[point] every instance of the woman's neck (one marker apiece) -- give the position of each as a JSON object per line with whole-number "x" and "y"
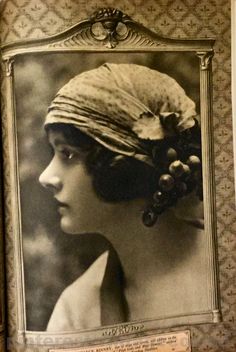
{"x": 147, "y": 252}
{"x": 160, "y": 263}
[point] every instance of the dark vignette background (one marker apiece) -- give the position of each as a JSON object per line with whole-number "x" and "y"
{"x": 52, "y": 260}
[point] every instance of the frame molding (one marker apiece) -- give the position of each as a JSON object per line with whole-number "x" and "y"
{"x": 109, "y": 30}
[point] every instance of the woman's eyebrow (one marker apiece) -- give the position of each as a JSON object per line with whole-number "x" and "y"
{"x": 57, "y": 141}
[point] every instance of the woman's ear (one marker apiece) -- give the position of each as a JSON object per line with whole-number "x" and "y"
{"x": 123, "y": 178}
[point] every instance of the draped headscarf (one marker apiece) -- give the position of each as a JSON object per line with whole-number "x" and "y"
{"x": 122, "y": 106}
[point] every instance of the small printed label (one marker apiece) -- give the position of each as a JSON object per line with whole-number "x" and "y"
{"x": 168, "y": 342}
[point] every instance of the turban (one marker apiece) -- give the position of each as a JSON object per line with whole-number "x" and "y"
{"x": 123, "y": 106}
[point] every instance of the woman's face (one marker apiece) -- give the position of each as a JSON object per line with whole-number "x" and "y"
{"x": 66, "y": 176}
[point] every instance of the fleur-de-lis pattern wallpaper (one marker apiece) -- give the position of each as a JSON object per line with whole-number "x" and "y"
{"x": 22, "y": 19}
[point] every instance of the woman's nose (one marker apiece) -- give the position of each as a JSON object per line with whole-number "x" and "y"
{"x": 50, "y": 180}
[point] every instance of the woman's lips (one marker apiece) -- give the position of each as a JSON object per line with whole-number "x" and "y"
{"x": 62, "y": 207}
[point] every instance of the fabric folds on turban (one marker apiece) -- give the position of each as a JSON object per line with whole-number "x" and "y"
{"x": 122, "y": 106}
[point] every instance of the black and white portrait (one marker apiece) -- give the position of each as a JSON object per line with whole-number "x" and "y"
{"x": 110, "y": 188}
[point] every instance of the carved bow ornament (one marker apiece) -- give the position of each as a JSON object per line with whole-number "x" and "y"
{"x": 108, "y": 26}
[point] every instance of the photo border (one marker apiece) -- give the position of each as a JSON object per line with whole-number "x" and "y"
{"x": 115, "y": 32}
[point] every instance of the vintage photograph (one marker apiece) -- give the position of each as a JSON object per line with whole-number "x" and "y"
{"x": 117, "y": 176}
{"x": 110, "y": 179}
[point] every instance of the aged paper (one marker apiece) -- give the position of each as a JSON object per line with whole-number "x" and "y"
{"x": 170, "y": 342}
{"x": 183, "y": 19}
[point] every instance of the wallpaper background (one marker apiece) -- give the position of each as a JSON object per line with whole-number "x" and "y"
{"x": 177, "y": 18}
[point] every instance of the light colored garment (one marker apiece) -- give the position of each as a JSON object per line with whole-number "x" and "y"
{"x": 79, "y": 306}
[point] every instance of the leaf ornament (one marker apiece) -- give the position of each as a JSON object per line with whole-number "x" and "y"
{"x": 156, "y": 127}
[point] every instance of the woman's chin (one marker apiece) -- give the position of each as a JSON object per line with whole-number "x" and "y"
{"x": 68, "y": 227}
{"x": 72, "y": 229}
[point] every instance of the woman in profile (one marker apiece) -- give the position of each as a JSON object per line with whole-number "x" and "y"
{"x": 127, "y": 164}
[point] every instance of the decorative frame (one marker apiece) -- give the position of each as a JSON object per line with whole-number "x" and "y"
{"x": 233, "y": 13}
{"x": 108, "y": 30}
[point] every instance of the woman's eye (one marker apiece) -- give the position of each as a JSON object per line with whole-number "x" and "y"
{"x": 67, "y": 154}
